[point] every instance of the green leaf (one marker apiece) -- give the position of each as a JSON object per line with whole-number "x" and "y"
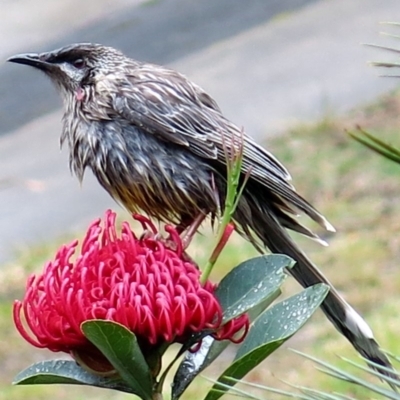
{"x": 251, "y": 283}
{"x": 121, "y": 349}
{"x": 341, "y": 374}
{"x": 268, "y": 332}
{"x": 65, "y": 372}
{"x": 376, "y": 145}
{"x": 243, "y": 393}
{"x": 250, "y": 287}
{"x": 194, "y": 363}
{"x": 306, "y": 393}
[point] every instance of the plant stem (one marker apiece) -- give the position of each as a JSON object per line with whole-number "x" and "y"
{"x": 160, "y": 383}
{"x": 157, "y": 396}
{"x": 234, "y": 159}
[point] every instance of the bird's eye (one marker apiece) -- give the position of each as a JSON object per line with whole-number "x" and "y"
{"x": 79, "y": 63}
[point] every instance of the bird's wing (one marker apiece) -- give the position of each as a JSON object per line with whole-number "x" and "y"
{"x": 166, "y": 104}
{"x": 171, "y": 112}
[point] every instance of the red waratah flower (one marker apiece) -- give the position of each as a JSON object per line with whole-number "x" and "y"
{"x": 143, "y": 284}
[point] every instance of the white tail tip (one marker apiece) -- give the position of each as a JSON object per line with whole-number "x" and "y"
{"x": 328, "y": 226}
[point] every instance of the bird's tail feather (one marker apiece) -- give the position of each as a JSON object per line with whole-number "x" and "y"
{"x": 339, "y": 312}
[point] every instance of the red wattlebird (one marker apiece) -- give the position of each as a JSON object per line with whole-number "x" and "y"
{"x": 155, "y": 142}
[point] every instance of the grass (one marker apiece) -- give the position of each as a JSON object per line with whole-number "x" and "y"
{"x": 357, "y": 190}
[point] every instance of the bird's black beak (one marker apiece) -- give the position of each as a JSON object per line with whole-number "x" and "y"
{"x": 32, "y": 59}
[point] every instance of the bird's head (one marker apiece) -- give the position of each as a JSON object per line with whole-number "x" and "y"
{"x": 74, "y": 66}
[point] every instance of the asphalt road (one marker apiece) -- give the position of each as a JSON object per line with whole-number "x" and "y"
{"x": 161, "y": 33}
{"x": 269, "y": 64}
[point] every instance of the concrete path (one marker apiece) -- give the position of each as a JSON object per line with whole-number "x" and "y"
{"x": 268, "y": 67}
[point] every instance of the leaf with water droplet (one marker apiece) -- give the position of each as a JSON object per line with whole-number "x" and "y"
{"x": 66, "y": 372}
{"x": 250, "y": 287}
{"x": 272, "y": 328}
{"x": 251, "y": 283}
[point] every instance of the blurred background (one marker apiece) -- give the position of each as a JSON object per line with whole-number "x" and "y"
{"x": 288, "y": 71}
